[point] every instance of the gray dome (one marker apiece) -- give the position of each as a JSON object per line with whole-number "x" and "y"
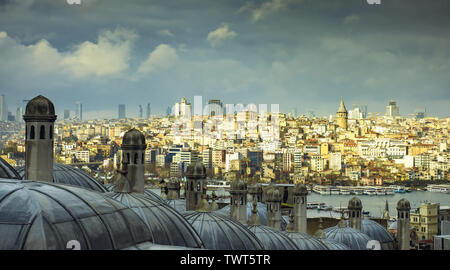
{"x": 262, "y": 213}
{"x": 305, "y": 241}
{"x": 238, "y": 184}
{"x": 219, "y": 232}
{"x": 150, "y": 194}
{"x": 403, "y": 205}
{"x": 354, "y": 203}
{"x": 377, "y": 232}
{"x": 334, "y": 245}
{"x": 272, "y": 239}
{"x": 300, "y": 190}
{"x": 179, "y": 205}
{"x": 166, "y": 225}
{"x": 7, "y": 171}
{"x": 68, "y": 175}
{"x": 40, "y": 107}
{"x": 350, "y": 237}
{"x": 133, "y": 139}
{"x": 42, "y": 215}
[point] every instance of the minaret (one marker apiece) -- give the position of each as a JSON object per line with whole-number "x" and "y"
{"x": 256, "y": 191}
{"x": 39, "y": 122}
{"x": 300, "y": 203}
{"x": 342, "y": 115}
{"x": 354, "y": 213}
{"x": 386, "y": 214}
{"x": 403, "y": 234}
{"x": 273, "y": 202}
{"x": 133, "y": 154}
{"x": 195, "y": 186}
{"x": 238, "y": 204}
{"x": 173, "y": 187}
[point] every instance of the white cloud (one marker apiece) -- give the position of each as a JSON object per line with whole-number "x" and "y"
{"x": 162, "y": 58}
{"x": 351, "y": 19}
{"x": 267, "y": 8}
{"x": 220, "y": 34}
{"x": 165, "y": 32}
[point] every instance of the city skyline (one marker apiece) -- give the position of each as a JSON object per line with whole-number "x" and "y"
{"x": 305, "y": 53}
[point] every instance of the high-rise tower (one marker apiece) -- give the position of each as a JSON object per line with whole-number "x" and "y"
{"x": 39, "y": 122}
{"x": 342, "y": 115}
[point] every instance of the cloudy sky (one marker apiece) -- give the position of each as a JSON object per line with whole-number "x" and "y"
{"x": 302, "y": 54}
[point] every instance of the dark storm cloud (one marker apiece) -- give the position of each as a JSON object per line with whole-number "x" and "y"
{"x": 300, "y": 54}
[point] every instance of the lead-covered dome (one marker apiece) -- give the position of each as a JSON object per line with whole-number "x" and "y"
{"x": 377, "y": 232}
{"x": 167, "y": 226}
{"x": 272, "y": 239}
{"x": 354, "y": 203}
{"x": 7, "y": 171}
{"x": 42, "y": 215}
{"x": 219, "y": 232}
{"x": 262, "y": 213}
{"x": 134, "y": 139}
{"x": 68, "y": 175}
{"x": 305, "y": 241}
{"x": 350, "y": 237}
{"x": 40, "y": 107}
{"x": 150, "y": 194}
{"x": 404, "y": 205}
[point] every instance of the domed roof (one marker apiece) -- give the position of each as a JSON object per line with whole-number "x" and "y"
{"x": 219, "y": 232}
{"x": 354, "y": 203}
{"x": 403, "y": 204}
{"x": 272, "y": 239}
{"x": 305, "y": 241}
{"x": 376, "y": 231}
{"x": 68, "y": 175}
{"x": 238, "y": 184}
{"x": 42, "y": 215}
{"x": 133, "y": 138}
{"x": 334, "y": 245}
{"x": 196, "y": 171}
{"x": 150, "y": 194}
{"x": 300, "y": 190}
{"x": 167, "y": 226}
{"x": 350, "y": 237}
{"x": 7, "y": 171}
{"x": 262, "y": 213}
{"x": 179, "y": 205}
{"x": 40, "y": 107}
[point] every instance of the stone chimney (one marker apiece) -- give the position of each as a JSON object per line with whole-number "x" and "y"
{"x": 133, "y": 155}
{"x": 173, "y": 186}
{"x": 195, "y": 186}
{"x": 354, "y": 213}
{"x": 238, "y": 204}
{"x": 403, "y": 233}
{"x": 300, "y": 203}
{"x": 273, "y": 202}
{"x": 39, "y": 123}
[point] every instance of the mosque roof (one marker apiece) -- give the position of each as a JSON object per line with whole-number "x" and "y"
{"x": 272, "y": 239}
{"x": 7, "y": 171}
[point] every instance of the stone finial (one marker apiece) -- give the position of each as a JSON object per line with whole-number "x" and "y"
{"x": 320, "y": 233}
{"x": 203, "y": 206}
{"x": 122, "y": 184}
{"x": 342, "y": 223}
{"x": 254, "y": 218}
{"x": 290, "y": 226}
{"x": 214, "y": 205}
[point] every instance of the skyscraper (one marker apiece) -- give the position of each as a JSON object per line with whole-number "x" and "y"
{"x": 149, "y": 110}
{"x": 79, "y": 111}
{"x": 19, "y": 113}
{"x": 66, "y": 114}
{"x": 141, "y": 113}
{"x": 3, "y": 108}
{"x": 392, "y": 109}
{"x": 122, "y": 111}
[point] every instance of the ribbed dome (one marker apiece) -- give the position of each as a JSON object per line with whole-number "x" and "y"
{"x": 272, "y": 239}
{"x": 404, "y": 205}
{"x": 196, "y": 171}
{"x": 262, "y": 213}
{"x": 219, "y": 232}
{"x": 305, "y": 241}
{"x": 150, "y": 194}
{"x": 334, "y": 245}
{"x": 354, "y": 203}
{"x": 8, "y": 172}
{"x": 350, "y": 237}
{"x": 68, "y": 175}
{"x": 166, "y": 225}
{"x": 133, "y": 139}
{"x": 42, "y": 215}
{"x": 300, "y": 190}
{"x": 377, "y": 232}
{"x": 179, "y": 205}
{"x": 40, "y": 107}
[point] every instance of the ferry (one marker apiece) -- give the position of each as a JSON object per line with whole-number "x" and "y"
{"x": 322, "y": 190}
{"x": 439, "y": 188}
{"x": 399, "y": 189}
{"x": 370, "y": 192}
{"x": 314, "y": 205}
{"x": 339, "y": 209}
{"x": 334, "y": 191}
{"x": 345, "y": 191}
{"x": 214, "y": 184}
{"x": 389, "y": 191}
{"x": 324, "y": 208}
{"x": 380, "y": 191}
